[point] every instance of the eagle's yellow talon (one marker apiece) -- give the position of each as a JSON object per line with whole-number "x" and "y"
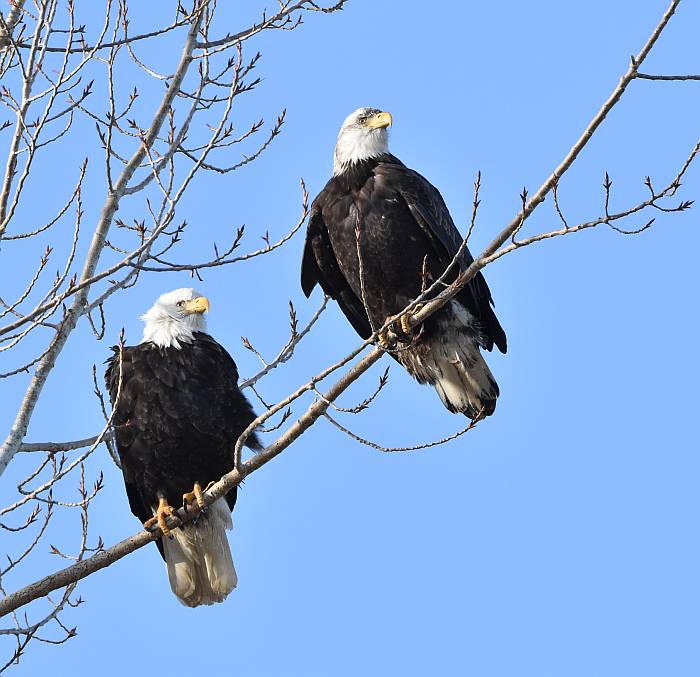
{"x": 386, "y": 339}
{"x": 164, "y": 510}
{"x": 405, "y": 322}
{"x": 194, "y": 496}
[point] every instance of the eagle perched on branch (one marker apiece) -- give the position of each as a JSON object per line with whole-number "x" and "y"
{"x": 178, "y": 412}
{"x": 379, "y": 234}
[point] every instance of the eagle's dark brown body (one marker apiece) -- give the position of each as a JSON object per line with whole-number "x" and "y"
{"x": 177, "y": 419}
{"x": 397, "y": 220}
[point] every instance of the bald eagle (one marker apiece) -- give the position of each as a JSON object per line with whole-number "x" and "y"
{"x": 378, "y": 234}
{"x": 178, "y": 412}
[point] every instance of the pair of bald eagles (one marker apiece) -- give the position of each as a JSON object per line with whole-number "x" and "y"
{"x": 377, "y": 234}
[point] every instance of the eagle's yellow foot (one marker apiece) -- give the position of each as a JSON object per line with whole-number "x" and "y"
{"x": 386, "y": 339}
{"x": 196, "y": 496}
{"x": 164, "y": 510}
{"x": 405, "y": 322}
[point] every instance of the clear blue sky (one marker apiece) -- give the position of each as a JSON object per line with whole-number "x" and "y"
{"x": 558, "y": 538}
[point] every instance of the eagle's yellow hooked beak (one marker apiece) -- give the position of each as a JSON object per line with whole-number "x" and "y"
{"x": 198, "y": 305}
{"x": 379, "y": 120}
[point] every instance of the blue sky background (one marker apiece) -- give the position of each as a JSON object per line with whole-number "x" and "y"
{"x": 558, "y": 538}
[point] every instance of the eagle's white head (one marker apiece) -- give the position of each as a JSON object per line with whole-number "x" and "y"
{"x": 364, "y": 135}
{"x": 174, "y": 318}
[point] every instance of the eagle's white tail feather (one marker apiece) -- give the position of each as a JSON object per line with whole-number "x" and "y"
{"x": 451, "y": 361}
{"x": 470, "y": 387}
{"x": 198, "y": 558}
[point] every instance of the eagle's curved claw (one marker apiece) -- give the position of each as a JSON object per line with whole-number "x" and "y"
{"x": 194, "y": 496}
{"x": 406, "y": 319}
{"x": 406, "y": 331}
{"x": 164, "y": 511}
{"x": 386, "y": 339}
{"x": 405, "y": 322}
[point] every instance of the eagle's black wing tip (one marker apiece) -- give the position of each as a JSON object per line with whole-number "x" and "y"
{"x": 307, "y": 285}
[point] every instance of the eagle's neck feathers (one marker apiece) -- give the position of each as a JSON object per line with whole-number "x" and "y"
{"x": 355, "y": 145}
{"x": 168, "y": 331}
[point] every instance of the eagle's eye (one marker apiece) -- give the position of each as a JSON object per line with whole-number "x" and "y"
{"x": 180, "y": 304}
